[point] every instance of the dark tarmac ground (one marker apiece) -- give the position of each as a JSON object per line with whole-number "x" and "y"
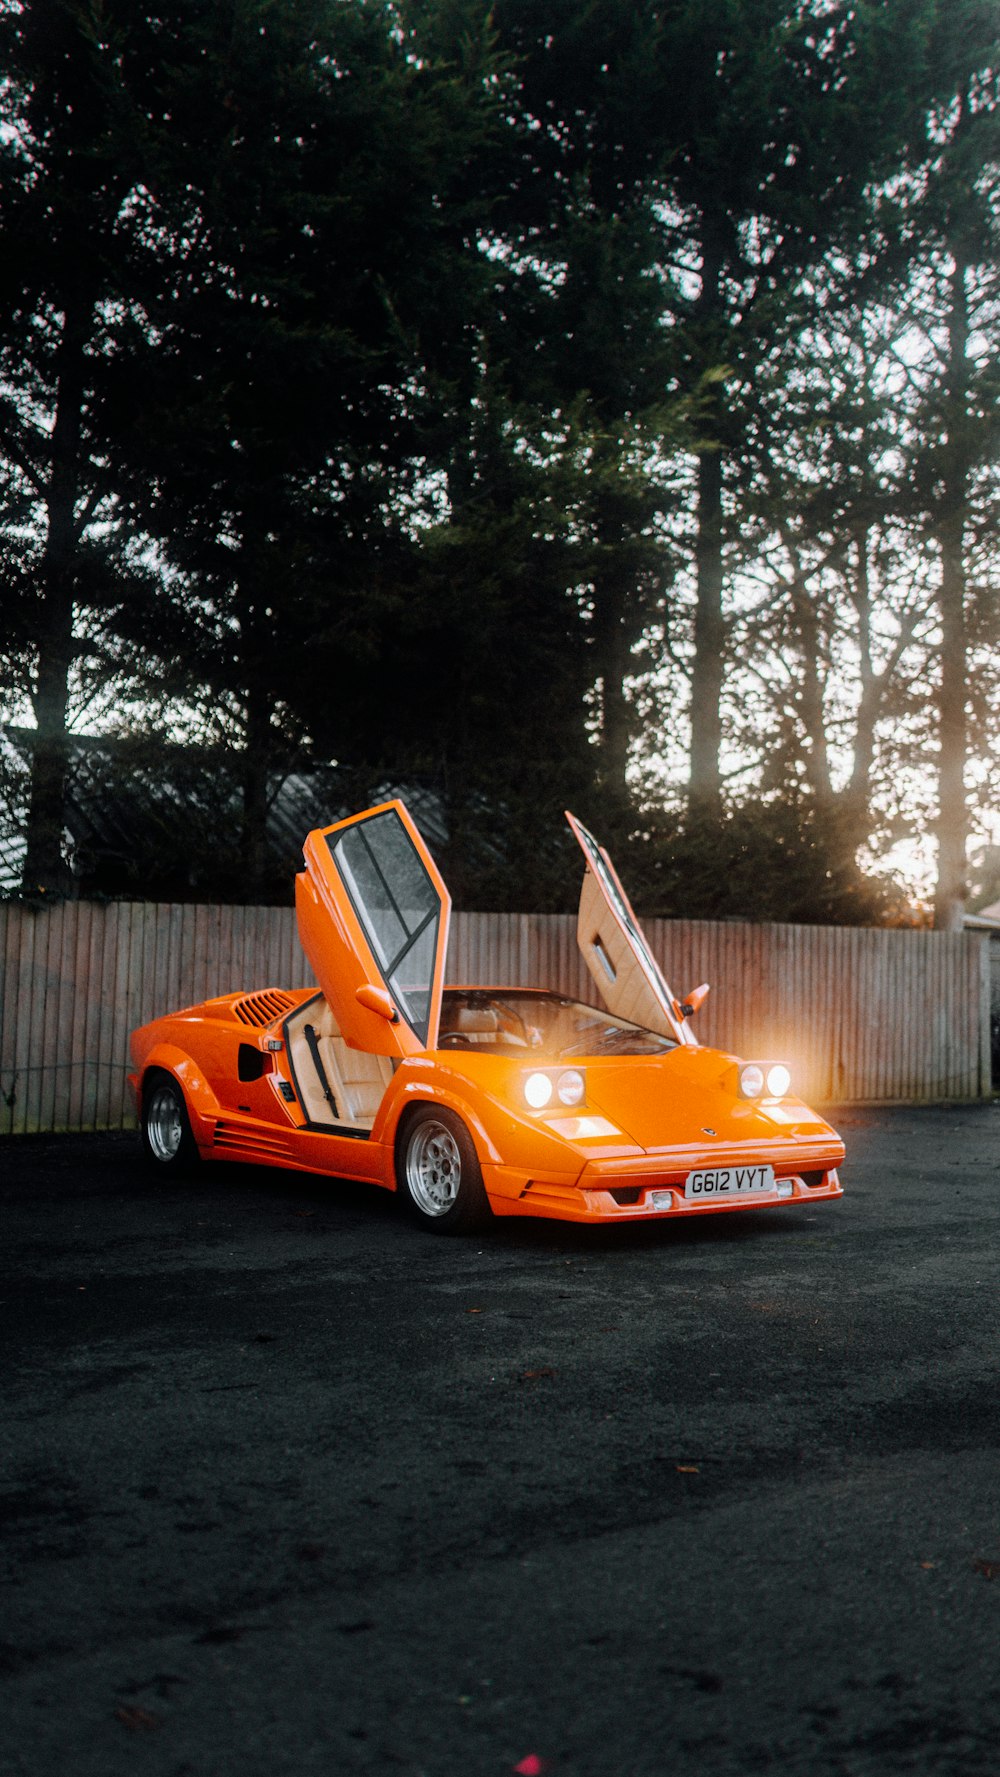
{"x": 290, "y": 1487}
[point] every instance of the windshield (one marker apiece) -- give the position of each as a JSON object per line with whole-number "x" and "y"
{"x": 506, "y": 1022}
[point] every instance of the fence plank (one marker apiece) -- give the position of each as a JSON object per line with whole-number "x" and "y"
{"x": 10, "y": 1023}
{"x": 29, "y": 1004}
{"x": 7, "y": 1017}
{"x": 985, "y": 1009}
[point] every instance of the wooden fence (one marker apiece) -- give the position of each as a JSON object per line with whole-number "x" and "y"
{"x": 859, "y": 1014}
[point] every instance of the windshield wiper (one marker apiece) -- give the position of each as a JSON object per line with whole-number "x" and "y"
{"x": 628, "y": 1041}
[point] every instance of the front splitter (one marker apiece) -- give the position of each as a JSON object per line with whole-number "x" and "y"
{"x": 568, "y": 1203}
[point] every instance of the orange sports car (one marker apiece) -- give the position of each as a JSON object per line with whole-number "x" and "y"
{"x": 472, "y": 1101}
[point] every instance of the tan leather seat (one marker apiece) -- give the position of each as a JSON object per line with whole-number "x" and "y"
{"x": 357, "y": 1080}
{"x": 364, "y": 1079}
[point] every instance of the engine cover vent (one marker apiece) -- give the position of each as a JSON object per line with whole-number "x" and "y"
{"x": 264, "y": 1007}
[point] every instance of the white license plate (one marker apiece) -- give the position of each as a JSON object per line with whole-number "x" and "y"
{"x": 730, "y": 1181}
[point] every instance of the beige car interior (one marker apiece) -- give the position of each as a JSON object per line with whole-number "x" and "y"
{"x": 617, "y": 971}
{"x": 486, "y": 1026}
{"x": 474, "y": 1024}
{"x": 355, "y": 1080}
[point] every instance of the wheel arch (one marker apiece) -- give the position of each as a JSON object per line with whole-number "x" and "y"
{"x": 442, "y": 1191}
{"x": 402, "y": 1111}
{"x": 500, "y": 1136}
{"x": 199, "y": 1099}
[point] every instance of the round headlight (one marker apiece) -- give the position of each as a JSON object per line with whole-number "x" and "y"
{"x": 778, "y": 1080}
{"x": 538, "y": 1090}
{"x": 751, "y": 1080}
{"x": 570, "y": 1086}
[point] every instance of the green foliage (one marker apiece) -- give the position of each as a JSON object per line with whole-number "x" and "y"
{"x": 765, "y": 860}
{"x": 526, "y": 404}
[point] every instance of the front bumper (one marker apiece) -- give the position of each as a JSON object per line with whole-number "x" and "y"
{"x": 615, "y": 1193}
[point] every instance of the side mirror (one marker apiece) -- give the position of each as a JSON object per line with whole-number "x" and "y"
{"x": 695, "y": 998}
{"x": 377, "y": 1000}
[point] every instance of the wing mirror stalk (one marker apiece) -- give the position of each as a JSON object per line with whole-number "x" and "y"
{"x": 697, "y": 997}
{"x": 377, "y": 1000}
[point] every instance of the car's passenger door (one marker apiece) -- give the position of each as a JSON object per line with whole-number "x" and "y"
{"x": 615, "y": 949}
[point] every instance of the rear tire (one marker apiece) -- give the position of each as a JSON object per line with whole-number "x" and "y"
{"x": 165, "y": 1130}
{"x": 438, "y": 1175}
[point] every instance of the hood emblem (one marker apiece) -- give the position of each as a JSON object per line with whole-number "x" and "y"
{"x": 707, "y": 1131}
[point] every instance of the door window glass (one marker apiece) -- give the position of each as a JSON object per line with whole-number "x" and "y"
{"x": 398, "y": 907}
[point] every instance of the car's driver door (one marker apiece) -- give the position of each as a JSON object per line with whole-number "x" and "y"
{"x": 373, "y": 916}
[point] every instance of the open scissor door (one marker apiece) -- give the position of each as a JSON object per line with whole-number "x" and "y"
{"x": 614, "y": 947}
{"x": 373, "y": 920}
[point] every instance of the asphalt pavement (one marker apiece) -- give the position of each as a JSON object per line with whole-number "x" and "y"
{"x": 288, "y": 1486}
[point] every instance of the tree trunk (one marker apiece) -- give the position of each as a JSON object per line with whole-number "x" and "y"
{"x": 952, "y": 888}
{"x": 45, "y": 870}
{"x": 705, "y": 783}
{"x": 254, "y": 774}
{"x": 859, "y": 790}
{"x": 611, "y": 640}
{"x": 256, "y": 644}
{"x": 811, "y": 711}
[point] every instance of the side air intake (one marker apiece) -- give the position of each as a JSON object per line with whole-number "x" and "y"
{"x": 252, "y": 1144}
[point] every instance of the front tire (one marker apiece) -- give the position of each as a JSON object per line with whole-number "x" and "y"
{"x": 438, "y": 1175}
{"x": 165, "y": 1133}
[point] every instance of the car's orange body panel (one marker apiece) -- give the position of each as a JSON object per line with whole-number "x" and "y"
{"x": 251, "y": 1067}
